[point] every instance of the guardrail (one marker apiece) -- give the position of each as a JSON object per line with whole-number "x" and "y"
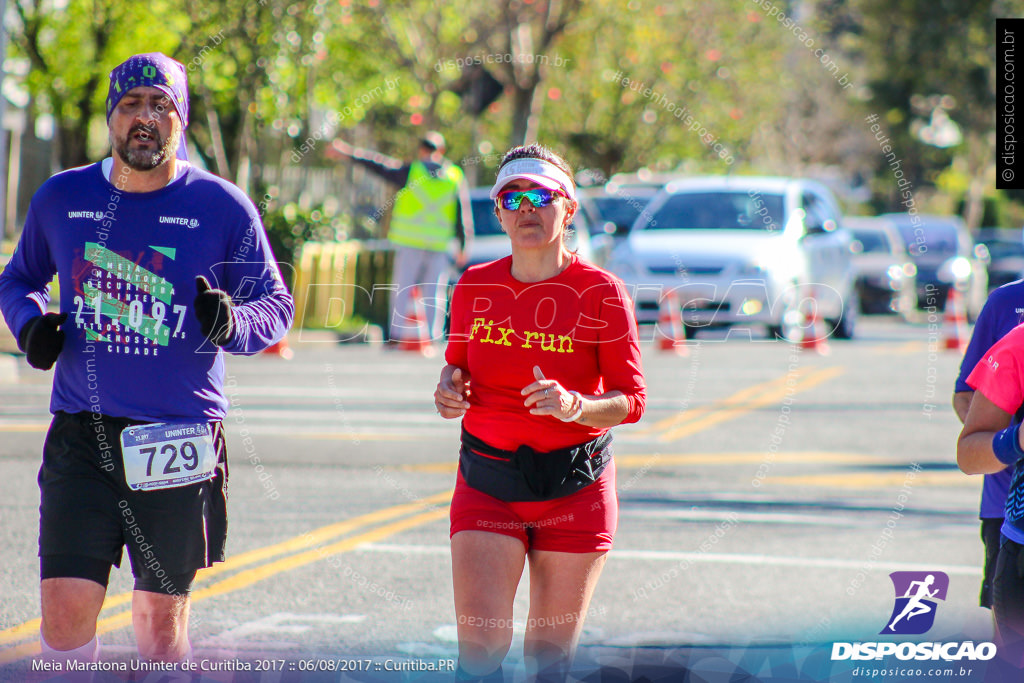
{"x": 324, "y": 285}
{"x": 337, "y": 280}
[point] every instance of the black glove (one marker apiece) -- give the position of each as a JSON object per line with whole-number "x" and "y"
{"x": 214, "y": 311}
{"x": 41, "y": 339}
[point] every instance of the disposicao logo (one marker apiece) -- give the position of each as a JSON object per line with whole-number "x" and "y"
{"x": 916, "y": 596}
{"x": 913, "y": 613}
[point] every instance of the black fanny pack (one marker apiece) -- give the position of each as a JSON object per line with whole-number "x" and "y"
{"x": 528, "y": 475}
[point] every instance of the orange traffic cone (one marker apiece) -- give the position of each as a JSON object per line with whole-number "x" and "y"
{"x": 814, "y": 333}
{"x": 672, "y": 335}
{"x": 955, "y": 322}
{"x": 421, "y": 342}
{"x": 280, "y": 349}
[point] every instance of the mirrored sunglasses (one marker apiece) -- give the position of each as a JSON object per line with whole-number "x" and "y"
{"x": 538, "y": 196}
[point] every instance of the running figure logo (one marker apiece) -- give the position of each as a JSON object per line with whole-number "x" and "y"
{"x": 916, "y": 595}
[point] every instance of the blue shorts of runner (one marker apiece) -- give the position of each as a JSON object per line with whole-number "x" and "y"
{"x": 582, "y": 522}
{"x": 88, "y": 514}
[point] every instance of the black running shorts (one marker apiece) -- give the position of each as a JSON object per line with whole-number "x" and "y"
{"x": 1008, "y": 602}
{"x": 88, "y": 510}
{"x": 990, "y": 536}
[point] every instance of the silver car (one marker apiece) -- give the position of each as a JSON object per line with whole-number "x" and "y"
{"x": 742, "y": 251}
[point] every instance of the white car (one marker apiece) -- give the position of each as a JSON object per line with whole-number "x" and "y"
{"x": 740, "y": 251}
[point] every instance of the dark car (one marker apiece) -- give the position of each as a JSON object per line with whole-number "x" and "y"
{"x": 945, "y": 255}
{"x": 616, "y": 208}
{"x": 1006, "y": 251}
{"x": 886, "y": 275}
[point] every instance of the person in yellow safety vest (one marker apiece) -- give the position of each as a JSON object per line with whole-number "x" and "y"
{"x": 431, "y": 212}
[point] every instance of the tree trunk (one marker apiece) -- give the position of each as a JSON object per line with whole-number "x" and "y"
{"x": 536, "y": 110}
{"x": 522, "y": 109}
{"x": 220, "y": 155}
{"x": 243, "y": 172}
{"x": 979, "y": 166}
{"x": 71, "y": 143}
{"x": 974, "y": 201}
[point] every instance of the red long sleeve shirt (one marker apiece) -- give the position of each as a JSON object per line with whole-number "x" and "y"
{"x": 578, "y": 327}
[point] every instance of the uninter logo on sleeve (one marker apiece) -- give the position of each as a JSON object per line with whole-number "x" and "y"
{"x": 916, "y": 603}
{"x": 190, "y": 223}
{"x": 89, "y": 215}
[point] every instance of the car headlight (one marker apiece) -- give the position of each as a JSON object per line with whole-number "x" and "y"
{"x": 957, "y": 269}
{"x": 751, "y": 307}
{"x": 961, "y": 268}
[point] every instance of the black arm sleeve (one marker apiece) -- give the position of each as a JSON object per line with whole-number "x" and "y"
{"x": 460, "y": 229}
{"x": 384, "y": 166}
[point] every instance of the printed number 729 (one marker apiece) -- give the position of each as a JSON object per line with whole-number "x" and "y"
{"x": 189, "y": 455}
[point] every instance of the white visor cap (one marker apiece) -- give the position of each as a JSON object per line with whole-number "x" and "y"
{"x": 544, "y": 173}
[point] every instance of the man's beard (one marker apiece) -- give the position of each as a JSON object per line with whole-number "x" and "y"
{"x": 147, "y": 160}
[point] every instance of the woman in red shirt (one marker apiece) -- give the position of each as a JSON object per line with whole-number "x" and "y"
{"x": 543, "y": 360}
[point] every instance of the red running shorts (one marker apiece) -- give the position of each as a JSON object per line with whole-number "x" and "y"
{"x": 583, "y": 522}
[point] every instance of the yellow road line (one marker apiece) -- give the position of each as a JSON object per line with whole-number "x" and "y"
{"x": 320, "y": 535}
{"x": 249, "y": 577}
{"x": 13, "y": 654}
{"x": 433, "y": 467}
{"x": 241, "y": 560}
{"x": 774, "y": 395}
{"x": 736, "y": 399}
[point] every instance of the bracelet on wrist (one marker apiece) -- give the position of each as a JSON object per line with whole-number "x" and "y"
{"x": 578, "y": 413}
{"x": 1006, "y": 445}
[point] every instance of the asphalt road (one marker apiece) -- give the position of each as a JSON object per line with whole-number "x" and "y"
{"x": 764, "y": 500}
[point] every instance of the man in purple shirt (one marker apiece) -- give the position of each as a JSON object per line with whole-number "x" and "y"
{"x": 135, "y": 454}
{"x": 1003, "y": 311}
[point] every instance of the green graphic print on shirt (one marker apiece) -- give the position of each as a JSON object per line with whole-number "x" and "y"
{"x": 131, "y": 308}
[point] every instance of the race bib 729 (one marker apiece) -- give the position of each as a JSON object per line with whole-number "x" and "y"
{"x": 167, "y": 455}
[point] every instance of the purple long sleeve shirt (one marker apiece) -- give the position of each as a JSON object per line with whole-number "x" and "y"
{"x": 126, "y": 264}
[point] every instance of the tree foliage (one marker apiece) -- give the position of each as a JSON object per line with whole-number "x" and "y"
{"x": 70, "y": 54}
{"x": 931, "y": 68}
{"x": 687, "y": 85}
